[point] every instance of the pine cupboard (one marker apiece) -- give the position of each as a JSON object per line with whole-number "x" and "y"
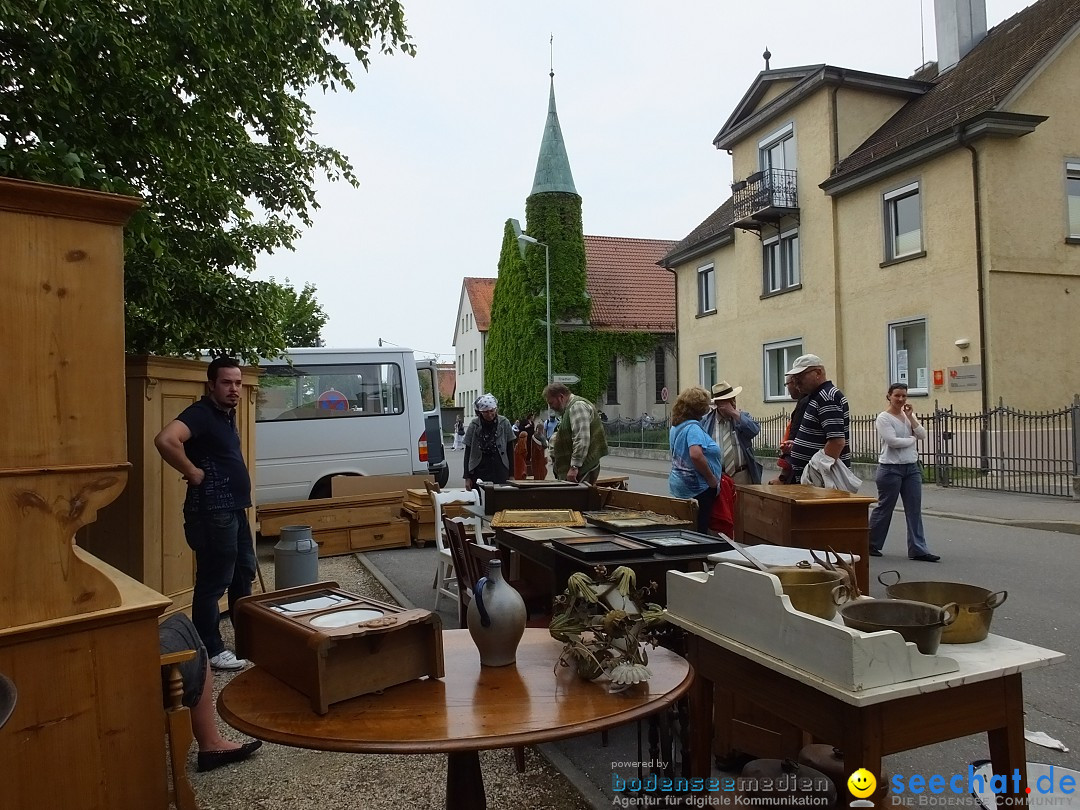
{"x": 142, "y": 531}
{"x": 77, "y": 637}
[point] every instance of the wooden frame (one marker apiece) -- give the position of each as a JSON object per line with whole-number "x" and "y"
{"x": 536, "y": 518}
{"x": 602, "y": 549}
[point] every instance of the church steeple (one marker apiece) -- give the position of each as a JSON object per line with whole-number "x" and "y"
{"x": 552, "y": 166}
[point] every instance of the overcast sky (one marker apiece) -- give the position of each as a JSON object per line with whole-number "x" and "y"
{"x": 445, "y": 144}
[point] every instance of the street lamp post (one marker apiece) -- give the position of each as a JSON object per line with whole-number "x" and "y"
{"x": 526, "y": 239}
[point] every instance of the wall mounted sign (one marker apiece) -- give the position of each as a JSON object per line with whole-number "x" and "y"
{"x": 965, "y": 378}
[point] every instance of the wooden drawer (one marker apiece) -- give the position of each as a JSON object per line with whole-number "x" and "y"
{"x": 332, "y": 542}
{"x": 394, "y": 534}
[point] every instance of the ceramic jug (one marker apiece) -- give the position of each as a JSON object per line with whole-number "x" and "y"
{"x": 496, "y": 618}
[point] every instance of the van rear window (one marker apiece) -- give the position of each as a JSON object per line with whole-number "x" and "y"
{"x": 294, "y": 392}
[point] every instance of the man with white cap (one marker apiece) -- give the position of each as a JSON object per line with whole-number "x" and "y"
{"x": 825, "y": 423}
{"x": 734, "y": 431}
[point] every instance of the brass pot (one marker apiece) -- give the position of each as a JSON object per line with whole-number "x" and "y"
{"x": 918, "y": 622}
{"x": 975, "y": 605}
{"x": 810, "y": 590}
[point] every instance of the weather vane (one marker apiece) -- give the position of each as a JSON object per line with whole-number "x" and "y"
{"x": 551, "y": 55}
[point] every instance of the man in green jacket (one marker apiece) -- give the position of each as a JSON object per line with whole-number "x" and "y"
{"x": 579, "y": 443}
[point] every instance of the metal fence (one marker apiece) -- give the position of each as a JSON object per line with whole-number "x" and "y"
{"x": 645, "y": 433}
{"x": 1004, "y": 449}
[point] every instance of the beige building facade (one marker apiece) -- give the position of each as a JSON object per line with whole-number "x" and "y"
{"x": 922, "y": 229}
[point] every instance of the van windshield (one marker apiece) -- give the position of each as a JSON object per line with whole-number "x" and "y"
{"x": 326, "y": 391}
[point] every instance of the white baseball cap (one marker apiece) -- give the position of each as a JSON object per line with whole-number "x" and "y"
{"x": 802, "y": 363}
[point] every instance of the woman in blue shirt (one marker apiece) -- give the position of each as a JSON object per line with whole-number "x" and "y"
{"x": 695, "y": 457}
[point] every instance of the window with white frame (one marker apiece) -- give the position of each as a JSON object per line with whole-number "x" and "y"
{"x": 903, "y": 222}
{"x": 707, "y": 370}
{"x": 779, "y": 357}
{"x": 1072, "y": 190}
{"x": 780, "y": 262}
{"x": 908, "y": 362}
{"x": 706, "y": 290}
{"x": 777, "y": 151}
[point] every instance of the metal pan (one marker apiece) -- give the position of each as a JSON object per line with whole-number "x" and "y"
{"x": 918, "y": 622}
{"x": 975, "y": 605}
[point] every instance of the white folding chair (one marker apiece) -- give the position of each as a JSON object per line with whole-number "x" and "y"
{"x": 445, "y": 583}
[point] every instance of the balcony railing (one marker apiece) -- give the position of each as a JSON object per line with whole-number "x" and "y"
{"x": 765, "y": 196}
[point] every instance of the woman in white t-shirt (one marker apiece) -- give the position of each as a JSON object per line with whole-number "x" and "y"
{"x": 899, "y": 474}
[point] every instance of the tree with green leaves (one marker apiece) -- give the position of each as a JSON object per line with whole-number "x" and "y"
{"x": 302, "y": 316}
{"x": 201, "y": 110}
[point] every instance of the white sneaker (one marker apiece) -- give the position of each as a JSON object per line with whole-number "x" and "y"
{"x": 227, "y": 661}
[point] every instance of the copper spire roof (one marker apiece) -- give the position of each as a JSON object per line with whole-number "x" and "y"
{"x": 553, "y": 166}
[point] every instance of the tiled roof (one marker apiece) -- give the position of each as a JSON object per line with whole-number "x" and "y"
{"x": 716, "y": 224}
{"x": 629, "y": 291}
{"x": 977, "y": 84}
{"x": 480, "y": 291}
{"x": 447, "y": 380}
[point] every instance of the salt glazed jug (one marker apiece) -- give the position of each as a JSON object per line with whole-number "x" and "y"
{"x": 496, "y": 618}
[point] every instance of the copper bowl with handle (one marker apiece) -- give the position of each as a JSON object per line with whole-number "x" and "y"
{"x": 918, "y": 622}
{"x": 810, "y": 590}
{"x": 975, "y": 605}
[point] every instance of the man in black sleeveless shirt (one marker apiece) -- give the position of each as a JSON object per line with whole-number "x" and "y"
{"x": 204, "y": 445}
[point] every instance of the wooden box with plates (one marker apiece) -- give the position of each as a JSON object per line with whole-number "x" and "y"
{"x": 333, "y": 645}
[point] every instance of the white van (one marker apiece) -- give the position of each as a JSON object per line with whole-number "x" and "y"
{"x": 327, "y": 412}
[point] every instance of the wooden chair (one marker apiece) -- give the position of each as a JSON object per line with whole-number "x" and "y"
{"x": 178, "y": 728}
{"x": 468, "y": 567}
{"x": 471, "y": 560}
{"x": 444, "y": 567}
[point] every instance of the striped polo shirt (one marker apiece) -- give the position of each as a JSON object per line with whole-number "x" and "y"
{"x": 826, "y": 417}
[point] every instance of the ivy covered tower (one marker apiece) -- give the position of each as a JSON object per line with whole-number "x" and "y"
{"x": 515, "y": 357}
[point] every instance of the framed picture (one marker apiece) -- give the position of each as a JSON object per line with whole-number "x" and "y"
{"x": 601, "y": 549}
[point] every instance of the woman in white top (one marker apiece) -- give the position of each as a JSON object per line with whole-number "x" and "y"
{"x": 899, "y": 475}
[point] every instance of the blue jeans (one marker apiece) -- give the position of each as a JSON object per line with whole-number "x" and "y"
{"x": 224, "y": 561}
{"x": 905, "y": 481}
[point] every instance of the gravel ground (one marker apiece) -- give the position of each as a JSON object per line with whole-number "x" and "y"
{"x": 278, "y": 777}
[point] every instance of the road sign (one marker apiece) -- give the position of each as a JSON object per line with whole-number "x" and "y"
{"x": 565, "y": 379}
{"x": 663, "y": 394}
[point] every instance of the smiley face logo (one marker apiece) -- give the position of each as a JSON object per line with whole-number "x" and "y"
{"x": 861, "y": 783}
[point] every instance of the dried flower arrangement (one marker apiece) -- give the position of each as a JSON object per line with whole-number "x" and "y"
{"x": 604, "y": 624}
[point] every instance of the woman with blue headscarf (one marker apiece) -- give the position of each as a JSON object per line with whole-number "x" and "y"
{"x": 489, "y": 444}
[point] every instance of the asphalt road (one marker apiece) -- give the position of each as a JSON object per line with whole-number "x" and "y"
{"x": 1039, "y": 569}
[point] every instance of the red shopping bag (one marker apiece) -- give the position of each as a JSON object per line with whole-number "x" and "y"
{"x": 722, "y": 518}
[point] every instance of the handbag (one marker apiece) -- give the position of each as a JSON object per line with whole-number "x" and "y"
{"x": 722, "y": 518}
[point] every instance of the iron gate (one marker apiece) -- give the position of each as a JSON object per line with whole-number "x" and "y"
{"x": 1004, "y": 449}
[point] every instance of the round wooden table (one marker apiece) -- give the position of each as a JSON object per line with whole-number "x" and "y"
{"x": 473, "y": 708}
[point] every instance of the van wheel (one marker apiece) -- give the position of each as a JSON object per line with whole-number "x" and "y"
{"x": 442, "y": 476}
{"x": 320, "y": 490}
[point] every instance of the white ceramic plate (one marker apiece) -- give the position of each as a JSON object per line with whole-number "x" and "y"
{"x": 343, "y": 618}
